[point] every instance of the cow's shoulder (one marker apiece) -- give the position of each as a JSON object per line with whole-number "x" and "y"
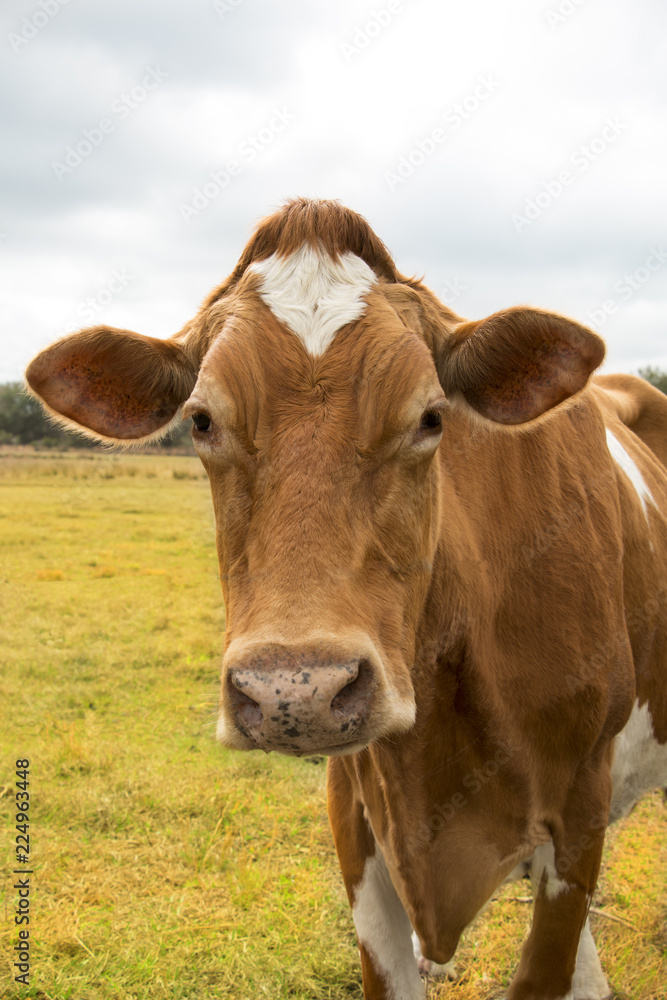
{"x": 638, "y": 405}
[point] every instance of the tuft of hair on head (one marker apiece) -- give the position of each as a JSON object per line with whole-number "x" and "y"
{"x": 321, "y": 223}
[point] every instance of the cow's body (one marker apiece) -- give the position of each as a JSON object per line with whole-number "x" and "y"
{"x": 520, "y": 690}
{"x": 460, "y": 596}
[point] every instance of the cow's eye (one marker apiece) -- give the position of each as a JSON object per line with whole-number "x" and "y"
{"x": 431, "y": 421}
{"x": 202, "y": 421}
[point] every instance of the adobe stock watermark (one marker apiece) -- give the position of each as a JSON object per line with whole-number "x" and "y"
{"x": 367, "y": 32}
{"x": 640, "y": 619}
{"x": 474, "y": 781}
{"x": 563, "y": 521}
{"x": 579, "y": 161}
{"x": 121, "y": 109}
{"x": 453, "y": 117}
{"x": 224, "y": 7}
{"x": 626, "y": 287}
{"x": 451, "y": 290}
{"x": 32, "y": 25}
{"x": 83, "y": 492}
{"x": 246, "y": 152}
{"x": 90, "y": 308}
{"x": 566, "y": 8}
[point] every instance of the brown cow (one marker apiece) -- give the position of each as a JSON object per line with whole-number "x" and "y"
{"x": 443, "y": 554}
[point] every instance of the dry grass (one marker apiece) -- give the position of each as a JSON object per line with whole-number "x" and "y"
{"x": 165, "y": 867}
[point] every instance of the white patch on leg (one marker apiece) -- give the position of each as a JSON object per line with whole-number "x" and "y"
{"x": 384, "y": 929}
{"x": 640, "y": 762}
{"x": 630, "y": 468}
{"x": 313, "y": 294}
{"x": 589, "y": 982}
{"x": 433, "y": 969}
{"x": 544, "y": 866}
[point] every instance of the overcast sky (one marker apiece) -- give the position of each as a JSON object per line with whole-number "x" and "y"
{"x": 511, "y": 153}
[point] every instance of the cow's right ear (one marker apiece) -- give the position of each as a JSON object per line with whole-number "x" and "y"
{"x": 115, "y": 385}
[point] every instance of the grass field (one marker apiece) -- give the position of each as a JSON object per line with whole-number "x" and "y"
{"x": 164, "y": 866}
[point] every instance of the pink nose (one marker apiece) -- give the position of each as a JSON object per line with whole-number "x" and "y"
{"x": 296, "y": 702}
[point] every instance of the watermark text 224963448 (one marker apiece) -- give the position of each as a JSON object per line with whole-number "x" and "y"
{"x": 21, "y": 963}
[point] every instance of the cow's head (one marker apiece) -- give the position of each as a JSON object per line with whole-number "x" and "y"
{"x": 318, "y": 381}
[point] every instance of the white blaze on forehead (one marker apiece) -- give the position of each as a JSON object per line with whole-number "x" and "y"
{"x": 630, "y": 468}
{"x": 313, "y": 294}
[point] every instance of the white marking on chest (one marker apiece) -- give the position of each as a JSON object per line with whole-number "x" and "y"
{"x": 313, "y": 294}
{"x": 640, "y": 762}
{"x": 630, "y": 468}
{"x": 384, "y": 929}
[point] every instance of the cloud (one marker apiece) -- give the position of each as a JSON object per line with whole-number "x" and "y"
{"x": 364, "y": 88}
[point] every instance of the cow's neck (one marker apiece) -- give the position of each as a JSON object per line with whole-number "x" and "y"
{"x": 421, "y": 790}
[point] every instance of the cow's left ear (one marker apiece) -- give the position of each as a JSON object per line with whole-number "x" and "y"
{"x": 517, "y": 364}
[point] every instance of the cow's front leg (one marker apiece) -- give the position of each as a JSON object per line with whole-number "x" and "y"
{"x": 564, "y": 875}
{"x": 383, "y": 929}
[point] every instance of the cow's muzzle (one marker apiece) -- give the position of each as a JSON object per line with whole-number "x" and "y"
{"x": 296, "y": 701}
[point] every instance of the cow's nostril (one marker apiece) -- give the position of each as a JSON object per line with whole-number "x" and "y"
{"x": 354, "y": 697}
{"x": 246, "y": 710}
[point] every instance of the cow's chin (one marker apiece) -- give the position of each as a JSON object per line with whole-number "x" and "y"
{"x": 393, "y": 724}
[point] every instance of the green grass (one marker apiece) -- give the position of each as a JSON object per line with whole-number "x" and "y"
{"x": 164, "y": 866}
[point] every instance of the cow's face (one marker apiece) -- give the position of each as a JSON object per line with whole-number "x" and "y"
{"x": 322, "y": 458}
{"x": 327, "y": 517}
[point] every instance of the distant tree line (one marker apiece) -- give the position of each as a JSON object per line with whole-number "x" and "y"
{"x": 655, "y": 376}
{"x": 22, "y": 420}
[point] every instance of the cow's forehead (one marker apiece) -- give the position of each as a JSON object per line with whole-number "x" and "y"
{"x": 311, "y": 318}
{"x": 314, "y": 294}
